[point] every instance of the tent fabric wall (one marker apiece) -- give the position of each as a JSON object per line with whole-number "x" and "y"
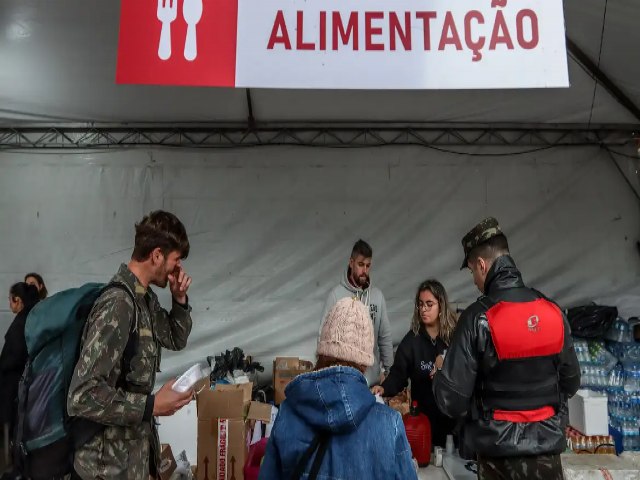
{"x": 271, "y": 229}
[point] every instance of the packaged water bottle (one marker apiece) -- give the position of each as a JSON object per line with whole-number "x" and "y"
{"x": 635, "y": 380}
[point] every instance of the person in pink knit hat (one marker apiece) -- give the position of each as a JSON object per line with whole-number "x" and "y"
{"x": 330, "y": 424}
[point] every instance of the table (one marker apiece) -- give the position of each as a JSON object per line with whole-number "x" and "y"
{"x": 576, "y": 467}
{"x": 432, "y": 473}
{"x": 590, "y": 467}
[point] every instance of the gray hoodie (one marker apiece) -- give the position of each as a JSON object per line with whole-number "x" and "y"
{"x": 383, "y": 343}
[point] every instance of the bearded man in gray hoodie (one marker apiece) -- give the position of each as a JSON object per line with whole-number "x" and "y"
{"x": 356, "y": 283}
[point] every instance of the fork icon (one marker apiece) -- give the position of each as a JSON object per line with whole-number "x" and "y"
{"x": 167, "y": 13}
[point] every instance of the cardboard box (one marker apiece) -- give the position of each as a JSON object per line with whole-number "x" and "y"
{"x": 224, "y": 415}
{"x": 285, "y": 369}
{"x": 167, "y": 462}
{"x": 588, "y": 413}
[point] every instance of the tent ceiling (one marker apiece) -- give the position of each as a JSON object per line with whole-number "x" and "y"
{"x": 58, "y": 65}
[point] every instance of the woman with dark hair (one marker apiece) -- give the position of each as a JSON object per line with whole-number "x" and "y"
{"x": 22, "y": 298}
{"x": 421, "y": 352}
{"x": 36, "y": 279}
{"x": 331, "y": 411}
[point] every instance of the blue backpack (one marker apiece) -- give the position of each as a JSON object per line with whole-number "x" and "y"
{"x": 46, "y": 436}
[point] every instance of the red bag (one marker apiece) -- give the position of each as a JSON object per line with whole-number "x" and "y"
{"x": 254, "y": 459}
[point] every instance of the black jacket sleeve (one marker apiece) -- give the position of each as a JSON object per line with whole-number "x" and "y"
{"x": 568, "y": 368}
{"x": 398, "y": 377}
{"x": 12, "y": 362}
{"x": 14, "y": 353}
{"x": 453, "y": 385}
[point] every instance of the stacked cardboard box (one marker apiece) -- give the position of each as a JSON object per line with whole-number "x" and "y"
{"x": 285, "y": 369}
{"x": 224, "y": 420}
{"x": 167, "y": 462}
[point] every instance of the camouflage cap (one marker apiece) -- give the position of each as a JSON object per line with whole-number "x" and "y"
{"x": 486, "y": 229}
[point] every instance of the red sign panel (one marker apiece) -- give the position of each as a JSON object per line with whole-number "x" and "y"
{"x": 171, "y": 42}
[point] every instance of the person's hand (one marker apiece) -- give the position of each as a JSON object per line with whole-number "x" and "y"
{"x": 179, "y": 283}
{"x": 167, "y": 402}
{"x": 378, "y": 390}
{"x": 437, "y": 366}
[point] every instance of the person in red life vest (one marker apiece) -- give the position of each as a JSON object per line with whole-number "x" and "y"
{"x": 510, "y": 367}
{"x": 421, "y": 352}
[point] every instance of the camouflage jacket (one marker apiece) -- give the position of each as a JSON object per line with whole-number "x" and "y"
{"x": 122, "y": 450}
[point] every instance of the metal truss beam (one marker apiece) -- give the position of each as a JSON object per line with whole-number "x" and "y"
{"x": 73, "y": 137}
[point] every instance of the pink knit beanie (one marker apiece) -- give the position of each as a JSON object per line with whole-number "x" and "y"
{"x": 347, "y": 333}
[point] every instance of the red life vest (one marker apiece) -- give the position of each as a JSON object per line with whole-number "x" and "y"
{"x": 528, "y": 338}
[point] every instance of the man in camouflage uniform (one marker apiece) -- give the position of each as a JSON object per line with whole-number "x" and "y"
{"x": 513, "y": 403}
{"x": 103, "y": 389}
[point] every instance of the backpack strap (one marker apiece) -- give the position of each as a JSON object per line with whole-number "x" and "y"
{"x": 320, "y": 443}
{"x": 317, "y": 462}
{"x": 84, "y": 429}
{"x": 132, "y": 341}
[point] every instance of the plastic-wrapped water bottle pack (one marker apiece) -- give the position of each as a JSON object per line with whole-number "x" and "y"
{"x": 614, "y": 367}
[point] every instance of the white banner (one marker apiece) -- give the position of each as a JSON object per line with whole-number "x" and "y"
{"x": 438, "y": 44}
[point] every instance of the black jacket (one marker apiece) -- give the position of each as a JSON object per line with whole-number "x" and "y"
{"x": 472, "y": 355}
{"x": 414, "y": 360}
{"x": 12, "y": 362}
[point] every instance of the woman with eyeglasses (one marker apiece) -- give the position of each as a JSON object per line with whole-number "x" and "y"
{"x": 421, "y": 353}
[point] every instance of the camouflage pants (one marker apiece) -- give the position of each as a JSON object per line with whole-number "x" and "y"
{"x": 547, "y": 467}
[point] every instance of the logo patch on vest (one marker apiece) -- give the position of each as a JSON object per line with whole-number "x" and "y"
{"x": 533, "y": 323}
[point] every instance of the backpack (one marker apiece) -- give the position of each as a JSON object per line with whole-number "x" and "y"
{"x": 46, "y": 437}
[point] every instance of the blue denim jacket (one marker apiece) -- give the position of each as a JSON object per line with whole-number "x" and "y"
{"x": 368, "y": 439}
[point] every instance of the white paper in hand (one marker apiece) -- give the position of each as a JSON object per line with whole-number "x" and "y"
{"x": 188, "y": 379}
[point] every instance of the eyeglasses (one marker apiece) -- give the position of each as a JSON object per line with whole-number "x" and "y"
{"x": 428, "y": 305}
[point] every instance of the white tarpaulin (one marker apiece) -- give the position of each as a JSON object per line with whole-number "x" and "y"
{"x": 271, "y": 229}
{"x": 439, "y": 44}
